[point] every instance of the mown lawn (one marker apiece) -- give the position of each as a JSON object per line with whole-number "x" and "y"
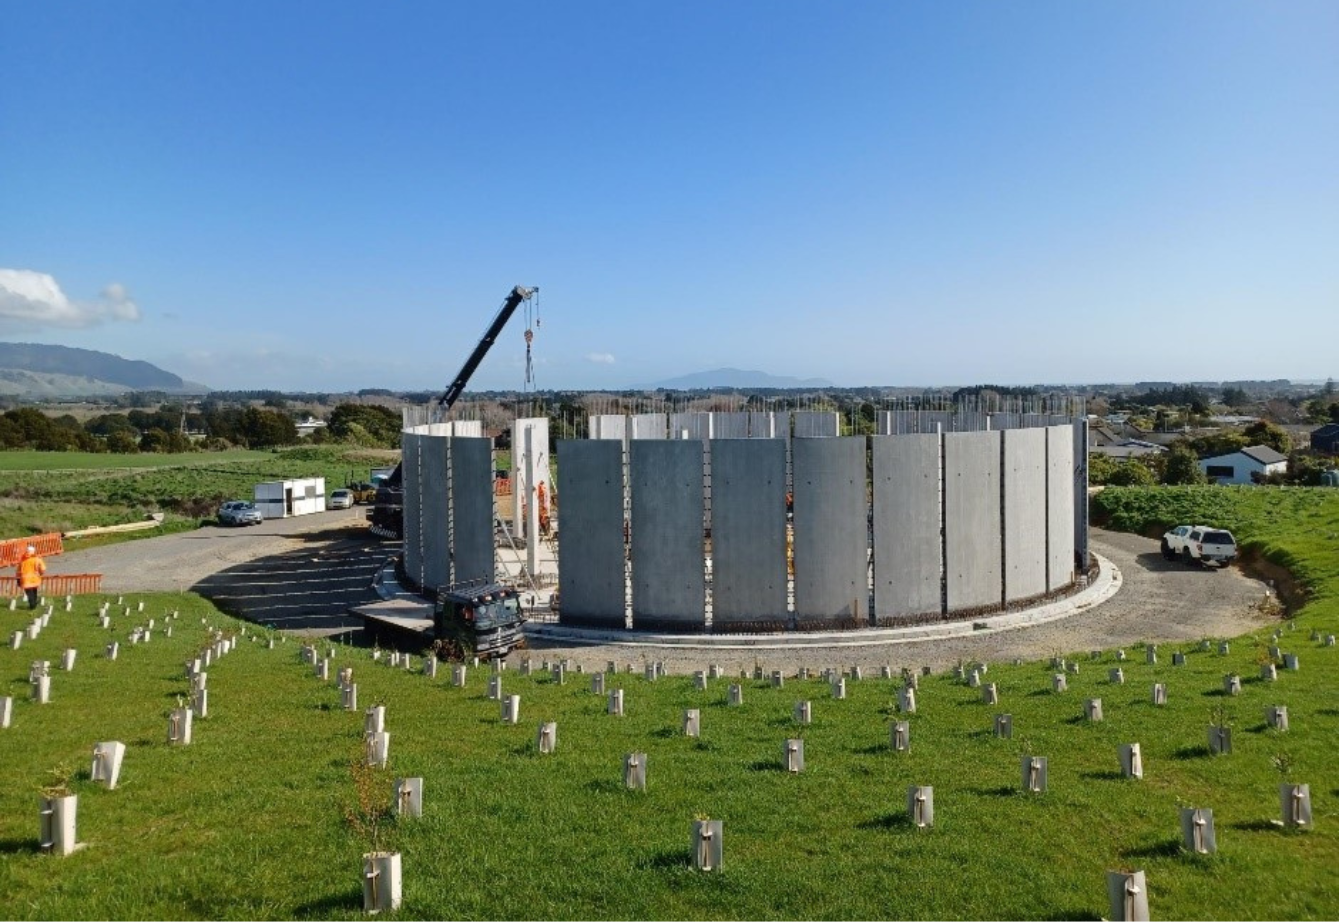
{"x": 65, "y": 491}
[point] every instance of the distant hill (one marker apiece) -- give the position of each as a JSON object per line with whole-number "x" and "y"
{"x": 39, "y": 370}
{"x": 738, "y": 379}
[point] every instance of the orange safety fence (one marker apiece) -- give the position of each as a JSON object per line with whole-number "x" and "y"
{"x": 11, "y": 551}
{"x": 57, "y": 584}
{"x": 501, "y": 487}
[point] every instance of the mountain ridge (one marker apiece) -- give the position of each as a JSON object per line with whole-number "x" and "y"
{"x": 44, "y": 370}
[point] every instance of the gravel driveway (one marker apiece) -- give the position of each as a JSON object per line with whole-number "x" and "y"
{"x": 304, "y": 573}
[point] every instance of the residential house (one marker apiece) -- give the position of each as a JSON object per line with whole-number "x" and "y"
{"x": 1326, "y": 439}
{"x": 1244, "y": 466}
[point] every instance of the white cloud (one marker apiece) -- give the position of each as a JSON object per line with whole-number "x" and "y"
{"x": 600, "y": 358}
{"x": 33, "y": 300}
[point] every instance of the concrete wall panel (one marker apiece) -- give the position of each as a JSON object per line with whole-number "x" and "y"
{"x": 763, "y": 425}
{"x": 816, "y": 424}
{"x": 472, "y": 556}
{"x": 730, "y": 425}
{"x": 667, "y": 493}
{"x": 590, "y": 539}
{"x": 609, "y": 426}
{"x": 831, "y": 529}
{"x": 433, "y": 513}
{"x": 748, "y": 533}
{"x": 972, "y": 519}
{"x": 697, "y": 425}
{"x": 1080, "y": 427}
{"x": 908, "y": 552}
{"x": 1059, "y": 506}
{"x": 648, "y": 426}
{"x": 1024, "y": 513}
{"x": 409, "y": 481}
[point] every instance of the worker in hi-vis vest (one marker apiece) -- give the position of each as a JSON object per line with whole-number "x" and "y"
{"x": 31, "y": 569}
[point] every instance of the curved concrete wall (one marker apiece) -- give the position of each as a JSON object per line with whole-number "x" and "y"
{"x": 889, "y": 529}
{"x": 885, "y": 529}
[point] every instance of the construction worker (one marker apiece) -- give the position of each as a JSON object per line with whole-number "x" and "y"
{"x": 31, "y": 569}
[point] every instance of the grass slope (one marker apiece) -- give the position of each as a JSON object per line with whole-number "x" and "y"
{"x": 64, "y": 491}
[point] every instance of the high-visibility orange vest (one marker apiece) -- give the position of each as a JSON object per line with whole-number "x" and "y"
{"x": 30, "y": 572}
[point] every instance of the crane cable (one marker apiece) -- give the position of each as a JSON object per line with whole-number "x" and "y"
{"x": 530, "y": 313}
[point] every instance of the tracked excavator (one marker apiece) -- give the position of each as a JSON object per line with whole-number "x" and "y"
{"x": 387, "y": 514}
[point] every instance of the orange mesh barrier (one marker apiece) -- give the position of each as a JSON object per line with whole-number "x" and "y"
{"x": 56, "y": 584}
{"x": 11, "y": 551}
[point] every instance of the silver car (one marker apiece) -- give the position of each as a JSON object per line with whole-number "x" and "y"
{"x": 239, "y": 512}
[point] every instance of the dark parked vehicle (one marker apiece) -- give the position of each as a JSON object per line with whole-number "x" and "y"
{"x": 239, "y": 512}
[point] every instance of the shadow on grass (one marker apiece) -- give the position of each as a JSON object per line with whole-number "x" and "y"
{"x": 1169, "y": 848}
{"x": 892, "y": 821}
{"x": 345, "y": 906}
{"x": 1215, "y": 693}
{"x": 673, "y": 859}
{"x": 1102, "y": 776}
{"x": 19, "y": 847}
{"x": 1041, "y": 693}
{"x": 1065, "y": 915}
{"x": 876, "y": 750}
{"x": 1328, "y": 712}
{"x": 667, "y": 733}
{"x": 1256, "y": 826}
{"x": 605, "y": 786}
{"x": 1192, "y": 752}
{"x": 1002, "y": 791}
{"x": 766, "y": 765}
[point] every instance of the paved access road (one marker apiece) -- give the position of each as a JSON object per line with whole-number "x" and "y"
{"x": 303, "y": 573}
{"x": 300, "y": 573}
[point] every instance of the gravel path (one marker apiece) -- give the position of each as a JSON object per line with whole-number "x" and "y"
{"x": 1159, "y": 601}
{"x": 304, "y": 573}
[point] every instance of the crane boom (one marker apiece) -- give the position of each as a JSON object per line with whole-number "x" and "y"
{"x": 518, "y": 295}
{"x": 388, "y": 512}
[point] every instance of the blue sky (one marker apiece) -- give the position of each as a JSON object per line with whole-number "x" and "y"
{"x": 333, "y": 196}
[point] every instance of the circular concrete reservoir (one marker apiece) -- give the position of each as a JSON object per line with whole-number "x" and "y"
{"x": 690, "y": 523}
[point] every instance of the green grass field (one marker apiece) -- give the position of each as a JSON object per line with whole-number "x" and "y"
{"x": 248, "y": 821}
{"x": 65, "y": 491}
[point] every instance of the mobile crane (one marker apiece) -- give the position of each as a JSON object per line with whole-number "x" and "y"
{"x": 387, "y": 514}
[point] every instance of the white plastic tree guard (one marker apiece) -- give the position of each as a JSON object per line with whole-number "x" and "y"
{"x": 381, "y": 882}
{"x": 906, "y": 699}
{"x": 378, "y": 749}
{"x": 1295, "y": 804}
{"x": 1127, "y": 896}
{"x": 1131, "y": 761}
{"x": 1092, "y": 709}
{"x": 1034, "y": 774}
{"x": 59, "y": 824}
{"x": 200, "y": 703}
{"x": 921, "y": 805}
{"x": 511, "y": 709}
{"x": 546, "y": 740}
{"x": 42, "y": 689}
{"x": 735, "y": 696}
{"x": 408, "y": 800}
{"x": 1159, "y": 694}
{"x": 1232, "y": 684}
{"x": 112, "y": 650}
{"x": 6, "y": 712}
{"x": 495, "y": 688}
{"x": 67, "y": 659}
{"x": 692, "y": 722}
{"x": 634, "y": 771}
{"x": 990, "y": 693}
{"x": 597, "y": 683}
{"x": 700, "y": 680}
{"x": 615, "y": 706}
{"x": 1116, "y": 676}
{"x": 179, "y": 727}
{"x": 839, "y": 689}
{"x": 778, "y": 679}
{"x": 107, "y": 759}
{"x": 374, "y": 719}
{"x": 349, "y": 696}
{"x": 707, "y": 844}
{"x": 899, "y": 735}
{"x": 458, "y": 675}
{"x": 1197, "y": 832}
{"x": 1004, "y": 726}
{"x": 792, "y": 756}
{"x": 1269, "y": 672}
{"x": 1276, "y": 716}
{"x": 804, "y": 712}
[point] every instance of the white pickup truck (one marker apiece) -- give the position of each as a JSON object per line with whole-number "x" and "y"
{"x": 1200, "y": 544}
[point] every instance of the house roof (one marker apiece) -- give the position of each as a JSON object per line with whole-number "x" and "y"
{"x": 1264, "y": 454}
{"x": 1327, "y": 430}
